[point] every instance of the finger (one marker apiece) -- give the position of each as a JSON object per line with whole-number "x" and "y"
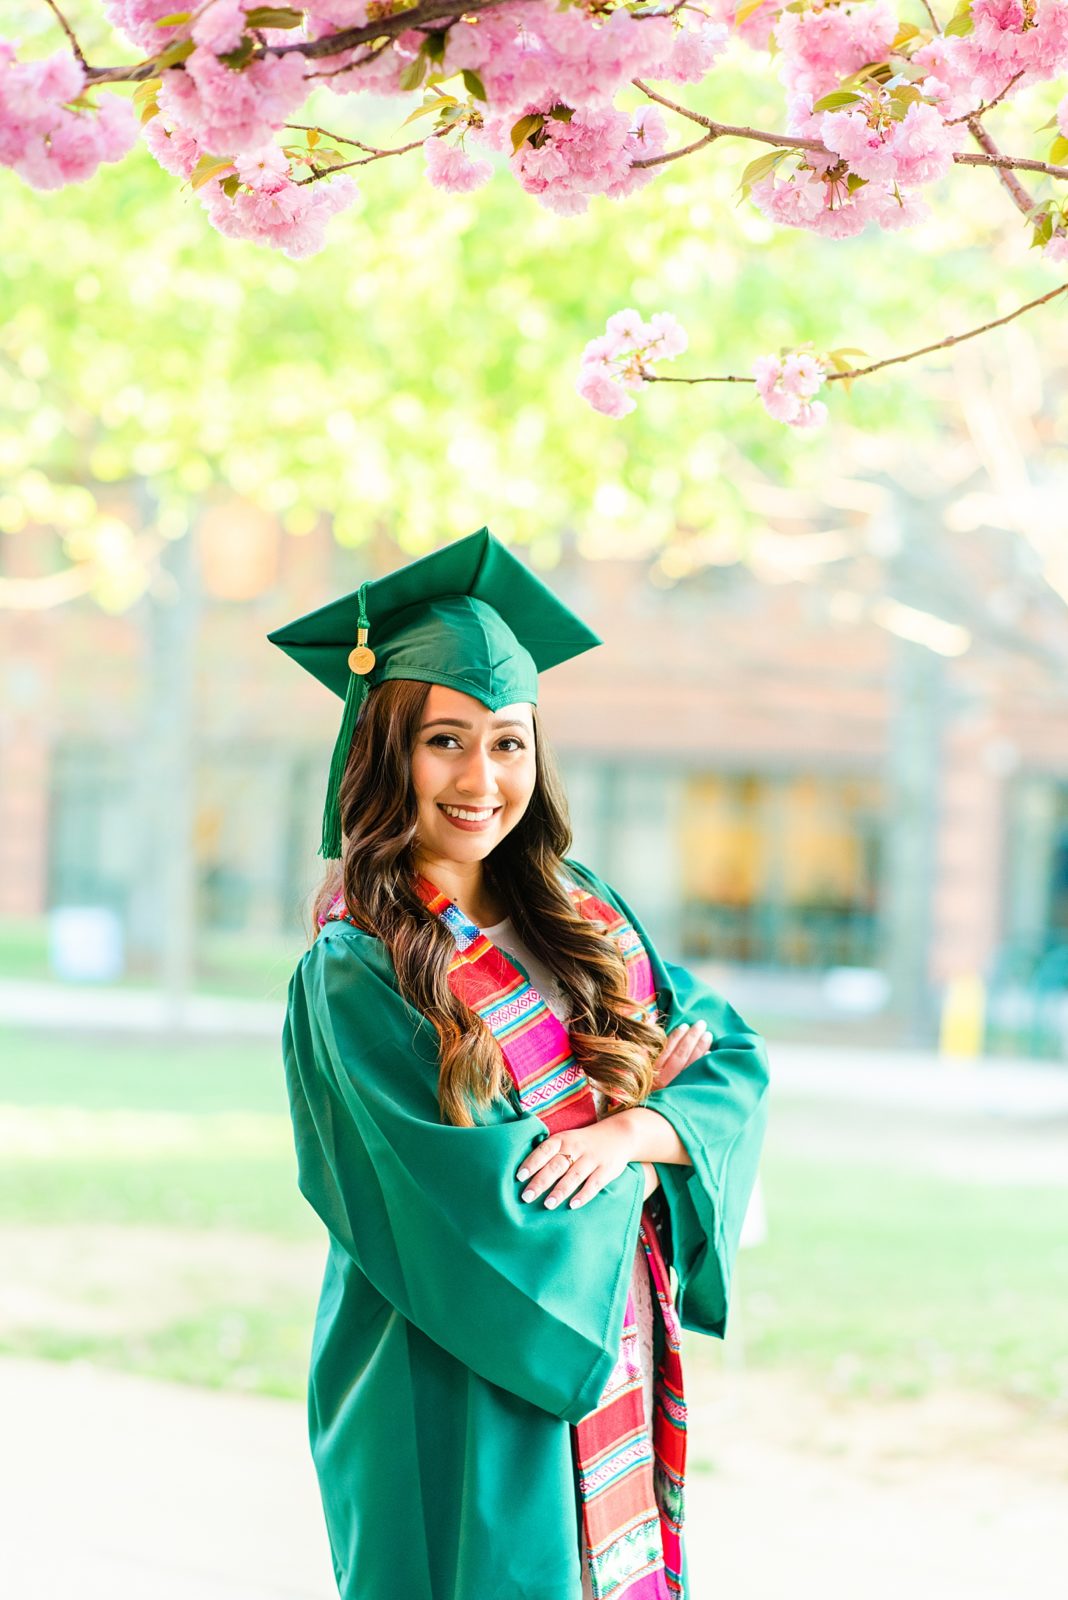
{"x": 698, "y": 1042}
{"x": 591, "y": 1187}
{"x": 537, "y": 1158}
{"x": 572, "y": 1179}
{"x": 674, "y": 1039}
{"x": 547, "y": 1175}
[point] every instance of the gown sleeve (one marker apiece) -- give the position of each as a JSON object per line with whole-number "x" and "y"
{"x": 529, "y": 1298}
{"x": 718, "y": 1107}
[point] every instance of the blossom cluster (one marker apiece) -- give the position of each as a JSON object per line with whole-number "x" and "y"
{"x": 877, "y": 110}
{"x": 46, "y": 136}
{"x": 621, "y": 358}
{"x": 786, "y": 385}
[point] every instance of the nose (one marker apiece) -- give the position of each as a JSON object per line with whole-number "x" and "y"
{"x": 478, "y": 781}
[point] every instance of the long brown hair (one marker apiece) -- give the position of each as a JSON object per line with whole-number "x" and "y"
{"x": 378, "y": 819}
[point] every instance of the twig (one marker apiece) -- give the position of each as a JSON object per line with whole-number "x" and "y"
{"x": 991, "y": 157}
{"x": 889, "y": 361}
{"x": 358, "y": 161}
{"x": 69, "y": 31}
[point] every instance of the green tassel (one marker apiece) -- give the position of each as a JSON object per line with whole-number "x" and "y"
{"x": 355, "y": 694}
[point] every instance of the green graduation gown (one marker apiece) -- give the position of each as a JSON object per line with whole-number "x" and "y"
{"x": 460, "y": 1329}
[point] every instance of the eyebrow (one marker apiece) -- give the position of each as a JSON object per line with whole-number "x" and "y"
{"x": 458, "y": 722}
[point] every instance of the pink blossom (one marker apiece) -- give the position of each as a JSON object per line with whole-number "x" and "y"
{"x": 1007, "y": 39}
{"x": 220, "y": 26}
{"x": 287, "y": 216}
{"x": 621, "y": 357}
{"x": 1056, "y": 248}
{"x": 450, "y": 168}
{"x": 138, "y": 19}
{"x": 177, "y": 152}
{"x": 824, "y": 43}
{"x": 786, "y": 386}
{"x": 228, "y": 111}
{"x": 603, "y": 393}
{"x": 41, "y": 137}
{"x": 757, "y": 27}
{"x": 590, "y": 154}
{"x": 531, "y": 52}
{"x": 917, "y": 149}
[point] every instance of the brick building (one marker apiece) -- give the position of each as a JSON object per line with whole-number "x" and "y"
{"x": 843, "y": 754}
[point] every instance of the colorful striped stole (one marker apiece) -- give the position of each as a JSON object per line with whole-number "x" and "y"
{"x": 630, "y": 1488}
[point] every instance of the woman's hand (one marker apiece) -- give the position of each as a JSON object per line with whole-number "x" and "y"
{"x": 684, "y": 1045}
{"x": 601, "y": 1150}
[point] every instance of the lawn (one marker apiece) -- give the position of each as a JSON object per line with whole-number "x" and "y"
{"x": 149, "y": 1208}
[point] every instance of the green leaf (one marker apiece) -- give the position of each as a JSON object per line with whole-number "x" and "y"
{"x": 562, "y": 113}
{"x": 175, "y": 19}
{"x": 427, "y": 109}
{"x": 209, "y": 167}
{"x": 231, "y": 185}
{"x": 762, "y": 167}
{"x": 415, "y": 71}
{"x": 836, "y": 99}
{"x": 746, "y": 10}
{"x": 1058, "y": 150}
{"x": 435, "y": 45}
{"x": 146, "y": 90}
{"x": 958, "y": 25}
{"x": 473, "y": 84}
{"x": 151, "y": 110}
{"x": 313, "y": 138}
{"x": 274, "y": 17}
{"x": 330, "y": 158}
{"x": 174, "y": 53}
{"x": 523, "y": 129}
{"x": 236, "y": 59}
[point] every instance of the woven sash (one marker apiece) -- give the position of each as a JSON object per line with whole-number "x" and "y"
{"x": 630, "y": 1488}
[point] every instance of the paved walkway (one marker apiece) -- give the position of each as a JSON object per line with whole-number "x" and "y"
{"x": 917, "y": 1078}
{"x": 123, "y": 1488}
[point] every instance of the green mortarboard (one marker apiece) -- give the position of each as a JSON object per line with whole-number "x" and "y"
{"x": 470, "y": 616}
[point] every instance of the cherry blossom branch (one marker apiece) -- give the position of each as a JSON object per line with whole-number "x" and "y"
{"x": 991, "y": 157}
{"x": 1012, "y": 185}
{"x": 986, "y": 105}
{"x": 358, "y": 161}
{"x": 888, "y": 361}
{"x": 69, "y": 31}
{"x": 418, "y": 16}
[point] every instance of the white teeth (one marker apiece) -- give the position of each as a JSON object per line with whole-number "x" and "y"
{"x": 468, "y": 816}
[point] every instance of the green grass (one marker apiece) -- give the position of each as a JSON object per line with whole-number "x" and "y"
{"x": 892, "y": 1281}
{"x": 227, "y": 963}
{"x": 872, "y": 1279}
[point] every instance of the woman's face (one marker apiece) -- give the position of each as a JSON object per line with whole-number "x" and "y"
{"x": 472, "y": 772}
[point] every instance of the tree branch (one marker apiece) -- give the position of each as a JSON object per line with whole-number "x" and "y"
{"x": 889, "y": 361}
{"x": 991, "y": 157}
{"x": 69, "y": 31}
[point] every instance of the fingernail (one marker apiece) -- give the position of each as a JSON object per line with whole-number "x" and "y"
{"x": 528, "y": 1194}
{"x": 549, "y": 1204}
{"x": 522, "y": 1173}
{"x": 575, "y": 1203}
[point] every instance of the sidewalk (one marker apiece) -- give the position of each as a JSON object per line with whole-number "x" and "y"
{"x": 919, "y": 1079}
{"x": 123, "y": 1488}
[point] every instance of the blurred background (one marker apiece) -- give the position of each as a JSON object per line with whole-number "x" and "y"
{"x": 823, "y": 752}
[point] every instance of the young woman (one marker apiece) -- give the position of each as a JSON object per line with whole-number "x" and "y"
{"x": 532, "y": 1140}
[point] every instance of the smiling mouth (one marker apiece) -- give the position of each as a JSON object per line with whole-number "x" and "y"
{"x": 469, "y": 813}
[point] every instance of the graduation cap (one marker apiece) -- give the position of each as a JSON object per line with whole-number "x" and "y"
{"x": 470, "y": 616}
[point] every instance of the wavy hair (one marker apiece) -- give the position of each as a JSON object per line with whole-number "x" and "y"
{"x": 375, "y": 874}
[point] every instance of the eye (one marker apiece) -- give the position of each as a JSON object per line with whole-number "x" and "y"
{"x": 513, "y": 739}
{"x": 438, "y": 737}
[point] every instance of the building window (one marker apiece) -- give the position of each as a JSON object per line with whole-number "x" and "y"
{"x": 781, "y": 869}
